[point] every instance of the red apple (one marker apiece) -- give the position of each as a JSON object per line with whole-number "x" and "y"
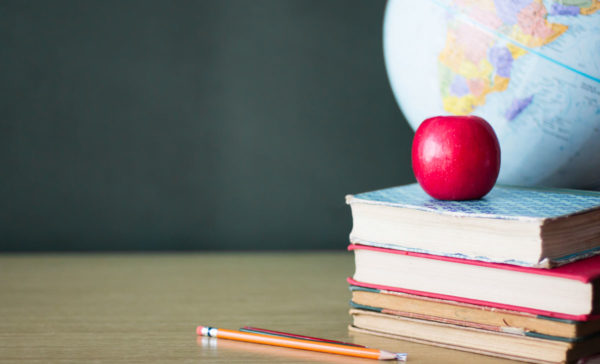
{"x": 456, "y": 157}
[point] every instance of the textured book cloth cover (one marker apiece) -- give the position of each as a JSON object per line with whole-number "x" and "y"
{"x": 585, "y": 270}
{"x": 503, "y": 202}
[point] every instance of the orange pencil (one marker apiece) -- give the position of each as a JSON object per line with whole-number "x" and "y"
{"x": 299, "y": 344}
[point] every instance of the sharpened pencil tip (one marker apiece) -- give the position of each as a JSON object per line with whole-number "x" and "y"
{"x": 386, "y": 355}
{"x": 401, "y": 356}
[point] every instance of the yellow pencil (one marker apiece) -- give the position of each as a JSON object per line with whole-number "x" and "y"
{"x": 300, "y": 344}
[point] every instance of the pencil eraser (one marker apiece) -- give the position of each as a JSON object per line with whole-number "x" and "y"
{"x": 199, "y": 330}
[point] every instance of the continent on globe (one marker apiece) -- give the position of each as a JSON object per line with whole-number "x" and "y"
{"x": 586, "y": 7}
{"x": 560, "y": 9}
{"x": 517, "y": 106}
{"x": 473, "y": 63}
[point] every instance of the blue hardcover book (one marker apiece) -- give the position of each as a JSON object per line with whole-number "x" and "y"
{"x": 531, "y": 227}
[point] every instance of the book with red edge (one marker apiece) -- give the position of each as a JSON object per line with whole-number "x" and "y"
{"x": 567, "y": 292}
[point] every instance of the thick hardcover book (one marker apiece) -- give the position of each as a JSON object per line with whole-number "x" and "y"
{"x": 569, "y": 292}
{"x": 504, "y": 345}
{"x": 469, "y": 315}
{"x": 513, "y": 225}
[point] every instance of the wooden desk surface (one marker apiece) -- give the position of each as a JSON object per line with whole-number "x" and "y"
{"x": 145, "y": 307}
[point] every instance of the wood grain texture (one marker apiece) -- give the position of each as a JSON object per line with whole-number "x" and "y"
{"x": 121, "y": 308}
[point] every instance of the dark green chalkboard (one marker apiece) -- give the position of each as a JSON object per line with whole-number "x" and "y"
{"x": 171, "y": 125}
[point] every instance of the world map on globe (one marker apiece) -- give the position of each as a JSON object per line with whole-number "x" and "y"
{"x": 529, "y": 67}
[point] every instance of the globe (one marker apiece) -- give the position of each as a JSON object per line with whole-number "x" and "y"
{"x": 531, "y": 68}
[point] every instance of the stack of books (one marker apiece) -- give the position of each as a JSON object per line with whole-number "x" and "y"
{"x": 515, "y": 274}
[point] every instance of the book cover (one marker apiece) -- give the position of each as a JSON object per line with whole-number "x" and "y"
{"x": 503, "y": 202}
